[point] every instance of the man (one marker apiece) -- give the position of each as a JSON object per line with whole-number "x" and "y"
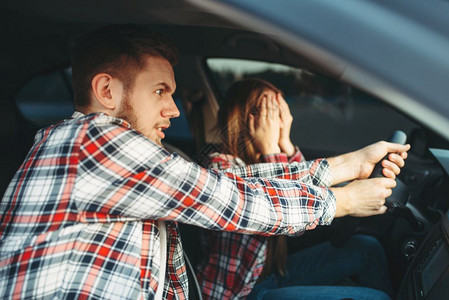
{"x": 92, "y": 211}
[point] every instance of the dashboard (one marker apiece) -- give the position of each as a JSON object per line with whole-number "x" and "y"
{"x": 428, "y": 274}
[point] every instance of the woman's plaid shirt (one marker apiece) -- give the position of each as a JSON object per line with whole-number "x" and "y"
{"x": 78, "y": 219}
{"x": 234, "y": 261}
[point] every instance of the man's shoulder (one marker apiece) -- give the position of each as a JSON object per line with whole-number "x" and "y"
{"x": 99, "y": 119}
{"x": 80, "y": 124}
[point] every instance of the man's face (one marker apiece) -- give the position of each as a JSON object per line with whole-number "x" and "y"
{"x": 149, "y": 105}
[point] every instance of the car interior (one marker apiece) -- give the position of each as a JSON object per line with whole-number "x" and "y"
{"x": 331, "y": 116}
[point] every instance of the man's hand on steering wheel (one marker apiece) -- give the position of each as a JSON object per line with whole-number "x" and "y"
{"x": 372, "y": 154}
{"x": 360, "y": 164}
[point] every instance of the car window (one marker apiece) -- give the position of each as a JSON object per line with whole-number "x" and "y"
{"x": 48, "y": 98}
{"x": 328, "y": 115}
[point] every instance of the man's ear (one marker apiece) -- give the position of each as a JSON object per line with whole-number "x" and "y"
{"x": 102, "y": 90}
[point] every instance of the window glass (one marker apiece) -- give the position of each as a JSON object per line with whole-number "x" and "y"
{"x": 329, "y": 116}
{"x": 48, "y": 98}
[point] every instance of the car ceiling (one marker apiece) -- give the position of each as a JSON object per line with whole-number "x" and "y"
{"x": 116, "y": 11}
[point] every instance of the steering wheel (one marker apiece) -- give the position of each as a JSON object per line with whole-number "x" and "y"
{"x": 344, "y": 228}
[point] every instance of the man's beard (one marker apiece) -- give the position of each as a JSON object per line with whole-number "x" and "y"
{"x": 127, "y": 113}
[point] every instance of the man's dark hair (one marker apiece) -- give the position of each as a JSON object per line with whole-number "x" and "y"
{"x": 119, "y": 50}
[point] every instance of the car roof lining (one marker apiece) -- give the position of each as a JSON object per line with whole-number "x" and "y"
{"x": 116, "y": 11}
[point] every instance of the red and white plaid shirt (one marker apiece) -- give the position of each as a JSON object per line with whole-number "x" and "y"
{"x": 235, "y": 261}
{"x": 79, "y": 218}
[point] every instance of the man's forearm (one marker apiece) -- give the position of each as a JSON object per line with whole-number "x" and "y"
{"x": 314, "y": 172}
{"x": 343, "y": 167}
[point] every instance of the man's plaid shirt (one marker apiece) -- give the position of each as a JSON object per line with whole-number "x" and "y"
{"x": 78, "y": 219}
{"x": 234, "y": 262}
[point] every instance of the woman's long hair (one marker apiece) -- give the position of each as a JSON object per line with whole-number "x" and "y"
{"x": 242, "y": 99}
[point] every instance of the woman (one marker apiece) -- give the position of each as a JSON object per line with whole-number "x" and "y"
{"x": 255, "y": 123}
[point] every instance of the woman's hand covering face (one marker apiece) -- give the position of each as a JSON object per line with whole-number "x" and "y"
{"x": 264, "y": 125}
{"x": 286, "y": 120}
